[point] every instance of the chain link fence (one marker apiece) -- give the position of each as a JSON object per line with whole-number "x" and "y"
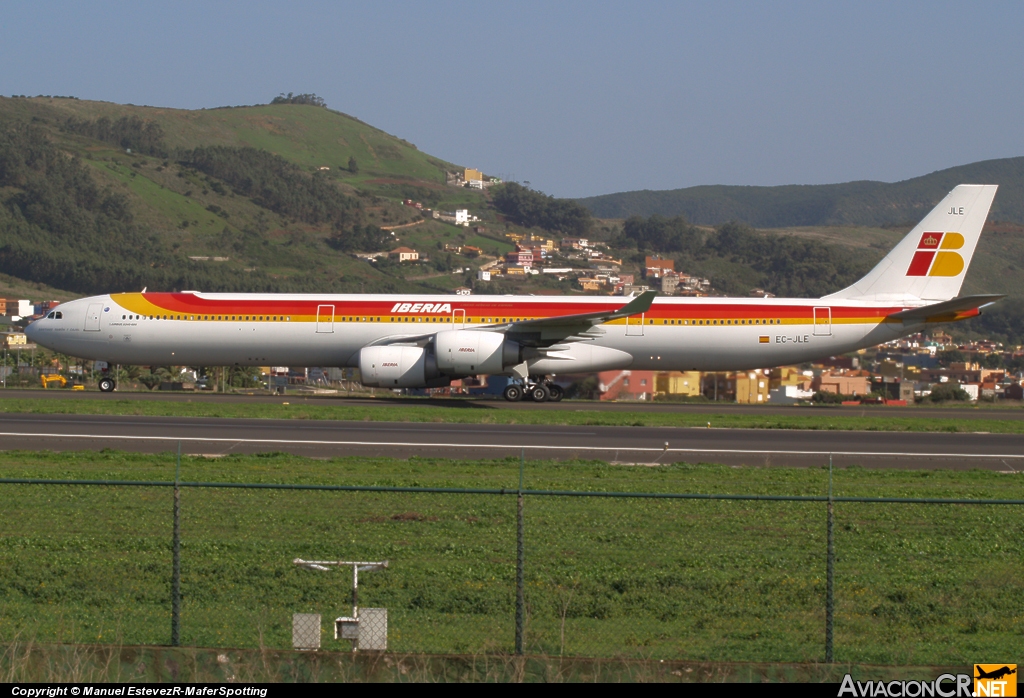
{"x": 588, "y": 572}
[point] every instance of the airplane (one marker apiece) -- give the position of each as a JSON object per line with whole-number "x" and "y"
{"x": 995, "y": 673}
{"x": 404, "y": 341}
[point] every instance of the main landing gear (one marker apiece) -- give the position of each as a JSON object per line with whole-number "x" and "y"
{"x": 536, "y": 389}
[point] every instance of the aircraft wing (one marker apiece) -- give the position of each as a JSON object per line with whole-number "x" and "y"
{"x": 947, "y": 311}
{"x": 640, "y": 304}
{"x": 544, "y": 332}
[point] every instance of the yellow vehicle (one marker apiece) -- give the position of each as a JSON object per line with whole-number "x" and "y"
{"x": 49, "y": 380}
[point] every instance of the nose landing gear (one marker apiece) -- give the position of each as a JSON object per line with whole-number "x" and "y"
{"x": 106, "y": 382}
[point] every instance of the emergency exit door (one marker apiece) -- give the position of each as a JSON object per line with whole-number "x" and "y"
{"x": 822, "y": 322}
{"x": 635, "y": 325}
{"x": 324, "y": 319}
{"x": 92, "y": 317}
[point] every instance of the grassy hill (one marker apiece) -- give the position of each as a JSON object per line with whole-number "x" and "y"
{"x": 851, "y": 204}
{"x": 56, "y": 231}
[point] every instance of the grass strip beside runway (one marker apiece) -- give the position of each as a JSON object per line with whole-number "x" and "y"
{"x": 699, "y": 580}
{"x": 469, "y": 413}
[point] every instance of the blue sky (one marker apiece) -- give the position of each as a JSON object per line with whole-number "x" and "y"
{"x": 577, "y": 98}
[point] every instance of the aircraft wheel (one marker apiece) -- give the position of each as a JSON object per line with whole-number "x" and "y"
{"x": 540, "y": 393}
{"x": 107, "y": 385}
{"x": 513, "y": 393}
{"x": 556, "y": 393}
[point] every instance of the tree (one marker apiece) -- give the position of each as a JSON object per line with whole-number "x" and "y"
{"x": 992, "y": 361}
{"x": 826, "y": 398}
{"x": 535, "y": 209}
{"x": 951, "y": 356}
{"x": 308, "y": 98}
{"x": 353, "y": 166}
{"x": 661, "y": 234}
{"x": 943, "y": 392}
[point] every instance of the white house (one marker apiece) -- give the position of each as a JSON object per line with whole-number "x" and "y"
{"x": 405, "y": 254}
{"x": 789, "y": 395}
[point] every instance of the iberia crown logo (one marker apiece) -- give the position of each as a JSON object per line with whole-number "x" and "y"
{"x": 995, "y": 680}
{"x": 935, "y": 256}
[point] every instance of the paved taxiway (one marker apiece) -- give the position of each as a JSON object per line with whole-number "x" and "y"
{"x": 487, "y": 404}
{"x": 759, "y": 447}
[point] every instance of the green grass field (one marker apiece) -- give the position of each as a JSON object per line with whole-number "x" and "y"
{"x": 931, "y": 420}
{"x": 694, "y": 580}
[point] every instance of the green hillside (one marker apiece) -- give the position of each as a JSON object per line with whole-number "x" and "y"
{"x": 305, "y": 135}
{"x": 852, "y": 203}
{"x": 97, "y": 196}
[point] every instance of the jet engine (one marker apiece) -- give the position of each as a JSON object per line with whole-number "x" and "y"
{"x": 469, "y": 352}
{"x": 399, "y": 367}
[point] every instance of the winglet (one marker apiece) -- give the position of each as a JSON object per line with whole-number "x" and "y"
{"x": 640, "y": 304}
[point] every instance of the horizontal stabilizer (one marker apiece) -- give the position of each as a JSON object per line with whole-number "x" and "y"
{"x": 945, "y": 311}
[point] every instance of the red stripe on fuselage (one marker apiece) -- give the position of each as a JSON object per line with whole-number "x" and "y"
{"x": 187, "y": 303}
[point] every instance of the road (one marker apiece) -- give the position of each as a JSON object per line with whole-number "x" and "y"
{"x": 642, "y": 445}
{"x": 1015, "y": 413}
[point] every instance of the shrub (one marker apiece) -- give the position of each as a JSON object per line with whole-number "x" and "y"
{"x": 944, "y": 392}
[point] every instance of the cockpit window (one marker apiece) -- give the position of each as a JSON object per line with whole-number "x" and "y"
{"x": 55, "y": 315}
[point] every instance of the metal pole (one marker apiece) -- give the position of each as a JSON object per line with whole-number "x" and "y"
{"x": 176, "y": 556}
{"x": 830, "y": 577}
{"x": 355, "y": 591}
{"x": 520, "y": 560}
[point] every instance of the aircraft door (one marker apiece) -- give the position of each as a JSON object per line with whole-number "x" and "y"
{"x": 92, "y": 317}
{"x": 635, "y": 326}
{"x": 325, "y": 319}
{"x": 823, "y": 322}
{"x": 459, "y": 319}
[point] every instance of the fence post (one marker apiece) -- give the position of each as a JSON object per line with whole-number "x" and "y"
{"x": 176, "y": 558}
{"x": 520, "y": 560}
{"x": 830, "y": 577}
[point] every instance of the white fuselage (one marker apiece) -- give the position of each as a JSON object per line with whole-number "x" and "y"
{"x": 706, "y": 334}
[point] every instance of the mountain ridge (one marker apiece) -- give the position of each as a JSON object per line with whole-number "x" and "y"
{"x": 861, "y": 203}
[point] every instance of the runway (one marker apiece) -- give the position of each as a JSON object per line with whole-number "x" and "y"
{"x": 640, "y": 445}
{"x": 387, "y": 400}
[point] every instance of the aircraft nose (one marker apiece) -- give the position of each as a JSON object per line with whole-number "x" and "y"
{"x": 30, "y": 331}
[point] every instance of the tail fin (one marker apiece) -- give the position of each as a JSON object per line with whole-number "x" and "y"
{"x": 931, "y": 261}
